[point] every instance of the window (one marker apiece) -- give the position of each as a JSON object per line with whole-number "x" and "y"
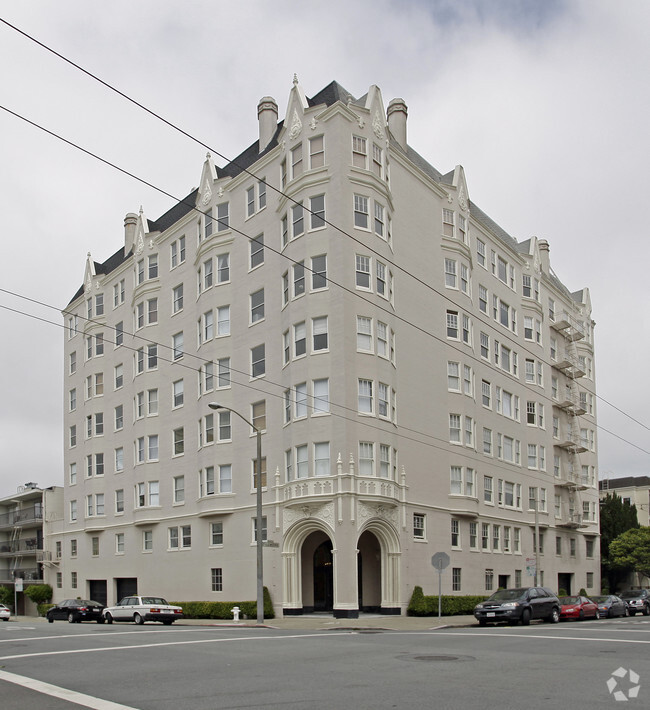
{"x": 365, "y": 396}
{"x": 322, "y": 458}
{"x": 95, "y": 546}
{"x": 264, "y": 529}
{"x": 223, "y": 268}
{"x": 452, "y": 324}
{"x": 296, "y": 161}
{"x": 297, "y": 221}
{"x": 302, "y": 461}
{"x": 178, "y": 441}
{"x": 319, "y": 333}
{"x": 366, "y": 458}
{"x": 177, "y": 346}
{"x": 419, "y": 529}
{"x": 456, "y": 487}
{"x": 119, "y": 543}
{"x": 488, "y": 489}
{"x": 178, "y": 395}
{"x": 455, "y": 533}
{"x": 319, "y": 272}
{"x": 451, "y": 276}
{"x": 223, "y": 216}
{"x": 177, "y": 252}
{"x": 485, "y": 536}
{"x": 119, "y": 459}
{"x": 179, "y": 489}
{"x": 454, "y": 428}
{"x": 216, "y": 533}
{"x": 361, "y": 213}
{"x": 299, "y": 339}
{"x": 298, "y": 279}
{"x": 257, "y": 306}
{"x": 363, "y": 271}
{"x": 317, "y": 208}
{"x": 321, "y": 401}
{"x": 473, "y": 535}
{"x": 119, "y": 334}
{"x": 223, "y": 371}
{"x": 257, "y": 251}
{"x": 316, "y": 152}
{"x": 258, "y": 416}
{"x": 359, "y": 152}
{"x": 301, "y": 400}
{"x": 448, "y": 223}
{"x": 216, "y": 579}
{"x": 73, "y": 510}
{"x": 364, "y": 333}
{"x": 489, "y": 580}
{"x": 379, "y": 221}
{"x": 177, "y": 298}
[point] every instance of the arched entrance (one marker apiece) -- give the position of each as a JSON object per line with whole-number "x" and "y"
{"x": 369, "y": 573}
{"x": 323, "y": 577}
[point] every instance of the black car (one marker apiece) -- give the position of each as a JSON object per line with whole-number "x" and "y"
{"x": 610, "y": 605}
{"x": 637, "y": 600}
{"x": 76, "y": 610}
{"x": 521, "y": 604}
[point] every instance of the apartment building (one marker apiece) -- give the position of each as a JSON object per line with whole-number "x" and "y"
{"x": 25, "y": 517}
{"x": 422, "y": 379}
{"x": 634, "y": 490}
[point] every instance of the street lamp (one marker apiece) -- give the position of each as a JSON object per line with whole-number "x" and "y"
{"x": 260, "y": 574}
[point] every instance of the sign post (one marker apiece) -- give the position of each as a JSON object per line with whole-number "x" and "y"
{"x": 440, "y": 561}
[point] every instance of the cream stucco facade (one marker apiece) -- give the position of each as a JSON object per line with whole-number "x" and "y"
{"x": 421, "y": 378}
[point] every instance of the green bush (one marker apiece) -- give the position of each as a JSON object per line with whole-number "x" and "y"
{"x": 421, "y": 605}
{"x": 39, "y": 593}
{"x": 6, "y": 596}
{"x": 223, "y": 610}
{"x": 583, "y": 592}
{"x": 42, "y": 608}
{"x": 562, "y": 593}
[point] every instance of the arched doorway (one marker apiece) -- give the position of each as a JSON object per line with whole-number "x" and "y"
{"x": 369, "y": 573}
{"x": 323, "y": 577}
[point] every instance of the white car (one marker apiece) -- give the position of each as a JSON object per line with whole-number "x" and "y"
{"x": 5, "y": 613}
{"x": 140, "y": 609}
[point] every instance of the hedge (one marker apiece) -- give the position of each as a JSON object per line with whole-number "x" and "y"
{"x": 223, "y": 610}
{"x": 421, "y": 605}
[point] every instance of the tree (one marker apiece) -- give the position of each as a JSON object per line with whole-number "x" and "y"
{"x": 616, "y": 517}
{"x": 631, "y": 551}
{"x": 6, "y": 596}
{"x": 39, "y": 593}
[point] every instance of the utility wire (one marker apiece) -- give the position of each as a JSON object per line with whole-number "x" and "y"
{"x": 280, "y": 192}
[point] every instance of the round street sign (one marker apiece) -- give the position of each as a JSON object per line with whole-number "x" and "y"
{"x": 440, "y": 561}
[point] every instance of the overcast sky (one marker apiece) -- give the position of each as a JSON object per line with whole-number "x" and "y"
{"x": 546, "y": 104}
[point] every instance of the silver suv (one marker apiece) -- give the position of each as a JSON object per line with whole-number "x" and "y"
{"x": 637, "y": 600}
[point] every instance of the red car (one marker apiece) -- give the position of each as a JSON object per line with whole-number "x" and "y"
{"x": 578, "y": 608}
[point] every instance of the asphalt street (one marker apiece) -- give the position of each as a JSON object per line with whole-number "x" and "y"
{"x": 60, "y": 666}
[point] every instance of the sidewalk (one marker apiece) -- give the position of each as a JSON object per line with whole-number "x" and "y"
{"x": 324, "y": 622}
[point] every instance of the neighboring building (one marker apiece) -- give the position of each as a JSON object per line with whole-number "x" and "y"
{"x": 24, "y": 520}
{"x": 634, "y": 490}
{"x": 421, "y": 379}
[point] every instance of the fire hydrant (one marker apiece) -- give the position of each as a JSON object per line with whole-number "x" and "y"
{"x": 235, "y": 613}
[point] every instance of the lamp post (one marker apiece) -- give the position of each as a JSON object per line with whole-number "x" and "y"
{"x": 260, "y": 573}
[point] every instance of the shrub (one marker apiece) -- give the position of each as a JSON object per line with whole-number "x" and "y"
{"x": 562, "y": 593}
{"x": 39, "y": 593}
{"x": 223, "y": 610}
{"x": 583, "y": 592}
{"x": 421, "y": 605}
{"x": 42, "y": 608}
{"x": 6, "y": 596}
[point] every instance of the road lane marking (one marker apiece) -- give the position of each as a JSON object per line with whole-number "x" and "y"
{"x": 95, "y": 635}
{"x": 590, "y": 639}
{"x": 88, "y": 701}
{"x": 137, "y": 647}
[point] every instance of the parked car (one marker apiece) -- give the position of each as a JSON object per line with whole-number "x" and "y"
{"x": 578, "y": 608}
{"x": 141, "y": 609}
{"x": 521, "y": 604}
{"x": 5, "y": 612}
{"x": 610, "y": 605}
{"x": 76, "y": 611}
{"x": 637, "y": 600}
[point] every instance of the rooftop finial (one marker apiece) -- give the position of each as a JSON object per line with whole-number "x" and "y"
{"x": 295, "y": 79}
{"x": 208, "y": 155}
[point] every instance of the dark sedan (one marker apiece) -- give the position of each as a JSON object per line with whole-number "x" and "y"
{"x": 610, "y": 605}
{"x": 76, "y": 610}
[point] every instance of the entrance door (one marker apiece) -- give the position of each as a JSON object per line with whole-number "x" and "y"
{"x": 126, "y": 587}
{"x": 97, "y": 590}
{"x": 504, "y": 581}
{"x": 564, "y": 580}
{"x": 323, "y": 577}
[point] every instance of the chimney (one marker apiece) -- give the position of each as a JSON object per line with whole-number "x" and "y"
{"x": 267, "y": 115}
{"x": 544, "y": 255}
{"x": 130, "y": 223}
{"x": 397, "y": 113}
